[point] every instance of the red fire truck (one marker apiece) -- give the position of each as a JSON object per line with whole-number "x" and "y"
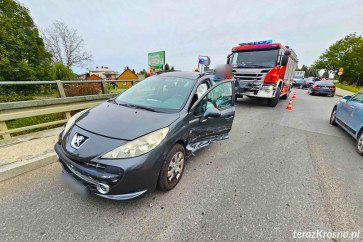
{"x": 263, "y": 69}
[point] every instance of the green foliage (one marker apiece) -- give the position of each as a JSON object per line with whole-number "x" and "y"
{"x": 166, "y": 68}
{"x": 18, "y": 123}
{"x": 172, "y": 68}
{"x": 306, "y": 69}
{"x": 61, "y": 72}
{"x": 346, "y": 53}
{"x": 348, "y": 88}
{"x": 22, "y": 53}
{"x": 144, "y": 72}
{"x": 14, "y": 98}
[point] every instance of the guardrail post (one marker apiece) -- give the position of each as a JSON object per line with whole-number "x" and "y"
{"x": 104, "y": 87}
{"x": 62, "y": 93}
{"x": 3, "y": 127}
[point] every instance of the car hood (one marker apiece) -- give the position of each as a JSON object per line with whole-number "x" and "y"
{"x": 120, "y": 122}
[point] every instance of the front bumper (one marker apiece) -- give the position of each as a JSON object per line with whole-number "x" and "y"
{"x": 126, "y": 178}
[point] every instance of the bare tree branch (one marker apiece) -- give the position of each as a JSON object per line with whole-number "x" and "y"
{"x": 66, "y": 45}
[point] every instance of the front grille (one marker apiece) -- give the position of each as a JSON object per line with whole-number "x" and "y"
{"x": 81, "y": 176}
{"x": 90, "y": 163}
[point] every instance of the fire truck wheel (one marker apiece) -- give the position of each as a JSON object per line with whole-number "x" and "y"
{"x": 272, "y": 102}
{"x": 286, "y": 95}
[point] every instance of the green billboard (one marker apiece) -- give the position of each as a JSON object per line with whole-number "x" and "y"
{"x": 156, "y": 58}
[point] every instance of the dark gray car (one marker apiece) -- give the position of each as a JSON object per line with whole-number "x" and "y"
{"x": 141, "y": 139}
{"x": 322, "y": 88}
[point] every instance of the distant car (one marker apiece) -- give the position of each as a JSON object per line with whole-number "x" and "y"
{"x": 348, "y": 113}
{"x": 322, "y": 87}
{"x": 302, "y": 83}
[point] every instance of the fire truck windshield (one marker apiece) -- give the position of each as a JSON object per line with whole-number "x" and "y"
{"x": 254, "y": 59}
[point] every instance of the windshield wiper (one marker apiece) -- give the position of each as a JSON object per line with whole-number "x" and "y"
{"x": 142, "y": 107}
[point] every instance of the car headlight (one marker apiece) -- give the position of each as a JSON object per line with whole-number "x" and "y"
{"x": 71, "y": 121}
{"x": 138, "y": 146}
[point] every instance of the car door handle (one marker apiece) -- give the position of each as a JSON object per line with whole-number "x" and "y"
{"x": 229, "y": 117}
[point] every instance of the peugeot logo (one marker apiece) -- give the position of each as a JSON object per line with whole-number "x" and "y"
{"x": 78, "y": 140}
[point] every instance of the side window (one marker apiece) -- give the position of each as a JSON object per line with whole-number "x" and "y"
{"x": 220, "y": 98}
{"x": 358, "y": 98}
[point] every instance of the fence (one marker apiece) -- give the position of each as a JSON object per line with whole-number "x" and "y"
{"x": 63, "y": 104}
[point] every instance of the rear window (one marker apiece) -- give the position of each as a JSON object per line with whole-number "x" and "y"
{"x": 325, "y": 84}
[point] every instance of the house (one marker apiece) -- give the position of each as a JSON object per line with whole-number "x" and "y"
{"x": 127, "y": 75}
{"x": 104, "y": 73}
{"x": 93, "y": 77}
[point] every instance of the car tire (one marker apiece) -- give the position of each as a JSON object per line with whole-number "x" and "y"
{"x": 175, "y": 162}
{"x": 332, "y": 95}
{"x": 333, "y": 116}
{"x": 272, "y": 102}
{"x": 359, "y": 144}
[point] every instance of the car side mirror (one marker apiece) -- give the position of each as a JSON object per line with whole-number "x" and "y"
{"x": 348, "y": 97}
{"x": 285, "y": 60}
{"x": 211, "y": 112}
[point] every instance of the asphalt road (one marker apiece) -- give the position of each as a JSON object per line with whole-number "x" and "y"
{"x": 281, "y": 171}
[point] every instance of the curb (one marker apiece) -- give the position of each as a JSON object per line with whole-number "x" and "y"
{"x": 18, "y": 168}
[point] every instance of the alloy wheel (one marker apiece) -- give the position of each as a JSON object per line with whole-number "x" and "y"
{"x": 360, "y": 143}
{"x": 175, "y": 166}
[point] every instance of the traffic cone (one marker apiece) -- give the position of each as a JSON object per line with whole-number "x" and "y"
{"x": 294, "y": 95}
{"x": 289, "y": 106}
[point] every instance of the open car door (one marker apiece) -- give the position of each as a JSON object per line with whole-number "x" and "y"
{"x": 211, "y": 117}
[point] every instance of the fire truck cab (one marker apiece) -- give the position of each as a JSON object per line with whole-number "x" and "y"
{"x": 263, "y": 69}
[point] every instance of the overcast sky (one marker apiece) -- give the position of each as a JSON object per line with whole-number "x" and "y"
{"x": 121, "y": 33}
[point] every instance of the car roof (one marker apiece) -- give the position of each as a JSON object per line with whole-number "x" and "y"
{"x": 182, "y": 74}
{"x": 325, "y": 83}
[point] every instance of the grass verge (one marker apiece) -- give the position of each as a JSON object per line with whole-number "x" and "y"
{"x": 348, "y": 88}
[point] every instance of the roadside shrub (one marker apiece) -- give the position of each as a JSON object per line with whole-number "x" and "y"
{"x": 73, "y": 90}
{"x": 14, "y": 98}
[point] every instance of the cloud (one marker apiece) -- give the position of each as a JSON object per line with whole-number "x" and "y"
{"x": 121, "y": 33}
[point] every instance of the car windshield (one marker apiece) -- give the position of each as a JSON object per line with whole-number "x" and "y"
{"x": 157, "y": 93}
{"x": 255, "y": 59}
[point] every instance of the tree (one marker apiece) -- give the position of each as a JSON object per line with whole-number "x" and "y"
{"x": 22, "y": 53}
{"x": 346, "y": 53}
{"x": 172, "y": 68}
{"x": 144, "y": 72}
{"x": 166, "y": 68}
{"x": 61, "y": 72}
{"x": 325, "y": 74}
{"x": 66, "y": 45}
{"x": 313, "y": 72}
{"x": 306, "y": 69}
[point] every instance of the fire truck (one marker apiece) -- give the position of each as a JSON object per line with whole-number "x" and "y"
{"x": 263, "y": 69}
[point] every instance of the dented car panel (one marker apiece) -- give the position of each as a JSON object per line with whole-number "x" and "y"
{"x": 206, "y": 116}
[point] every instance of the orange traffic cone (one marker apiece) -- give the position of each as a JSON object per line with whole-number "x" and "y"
{"x": 294, "y": 95}
{"x": 289, "y": 106}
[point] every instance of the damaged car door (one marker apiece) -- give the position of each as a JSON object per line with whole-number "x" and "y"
{"x": 211, "y": 117}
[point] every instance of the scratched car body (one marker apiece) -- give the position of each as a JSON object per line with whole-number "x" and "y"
{"x": 141, "y": 139}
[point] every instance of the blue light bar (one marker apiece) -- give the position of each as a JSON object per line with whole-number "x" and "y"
{"x": 256, "y": 42}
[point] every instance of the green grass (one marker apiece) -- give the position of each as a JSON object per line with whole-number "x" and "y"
{"x": 18, "y": 123}
{"x": 348, "y": 88}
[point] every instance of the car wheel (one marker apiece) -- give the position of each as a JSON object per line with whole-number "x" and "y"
{"x": 333, "y": 116}
{"x": 332, "y": 95}
{"x": 300, "y": 87}
{"x": 172, "y": 169}
{"x": 273, "y": 101}
{"x": 359, "y": 145}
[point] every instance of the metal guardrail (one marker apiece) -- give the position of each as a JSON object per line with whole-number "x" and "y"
{"x": 63, "y": 104}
